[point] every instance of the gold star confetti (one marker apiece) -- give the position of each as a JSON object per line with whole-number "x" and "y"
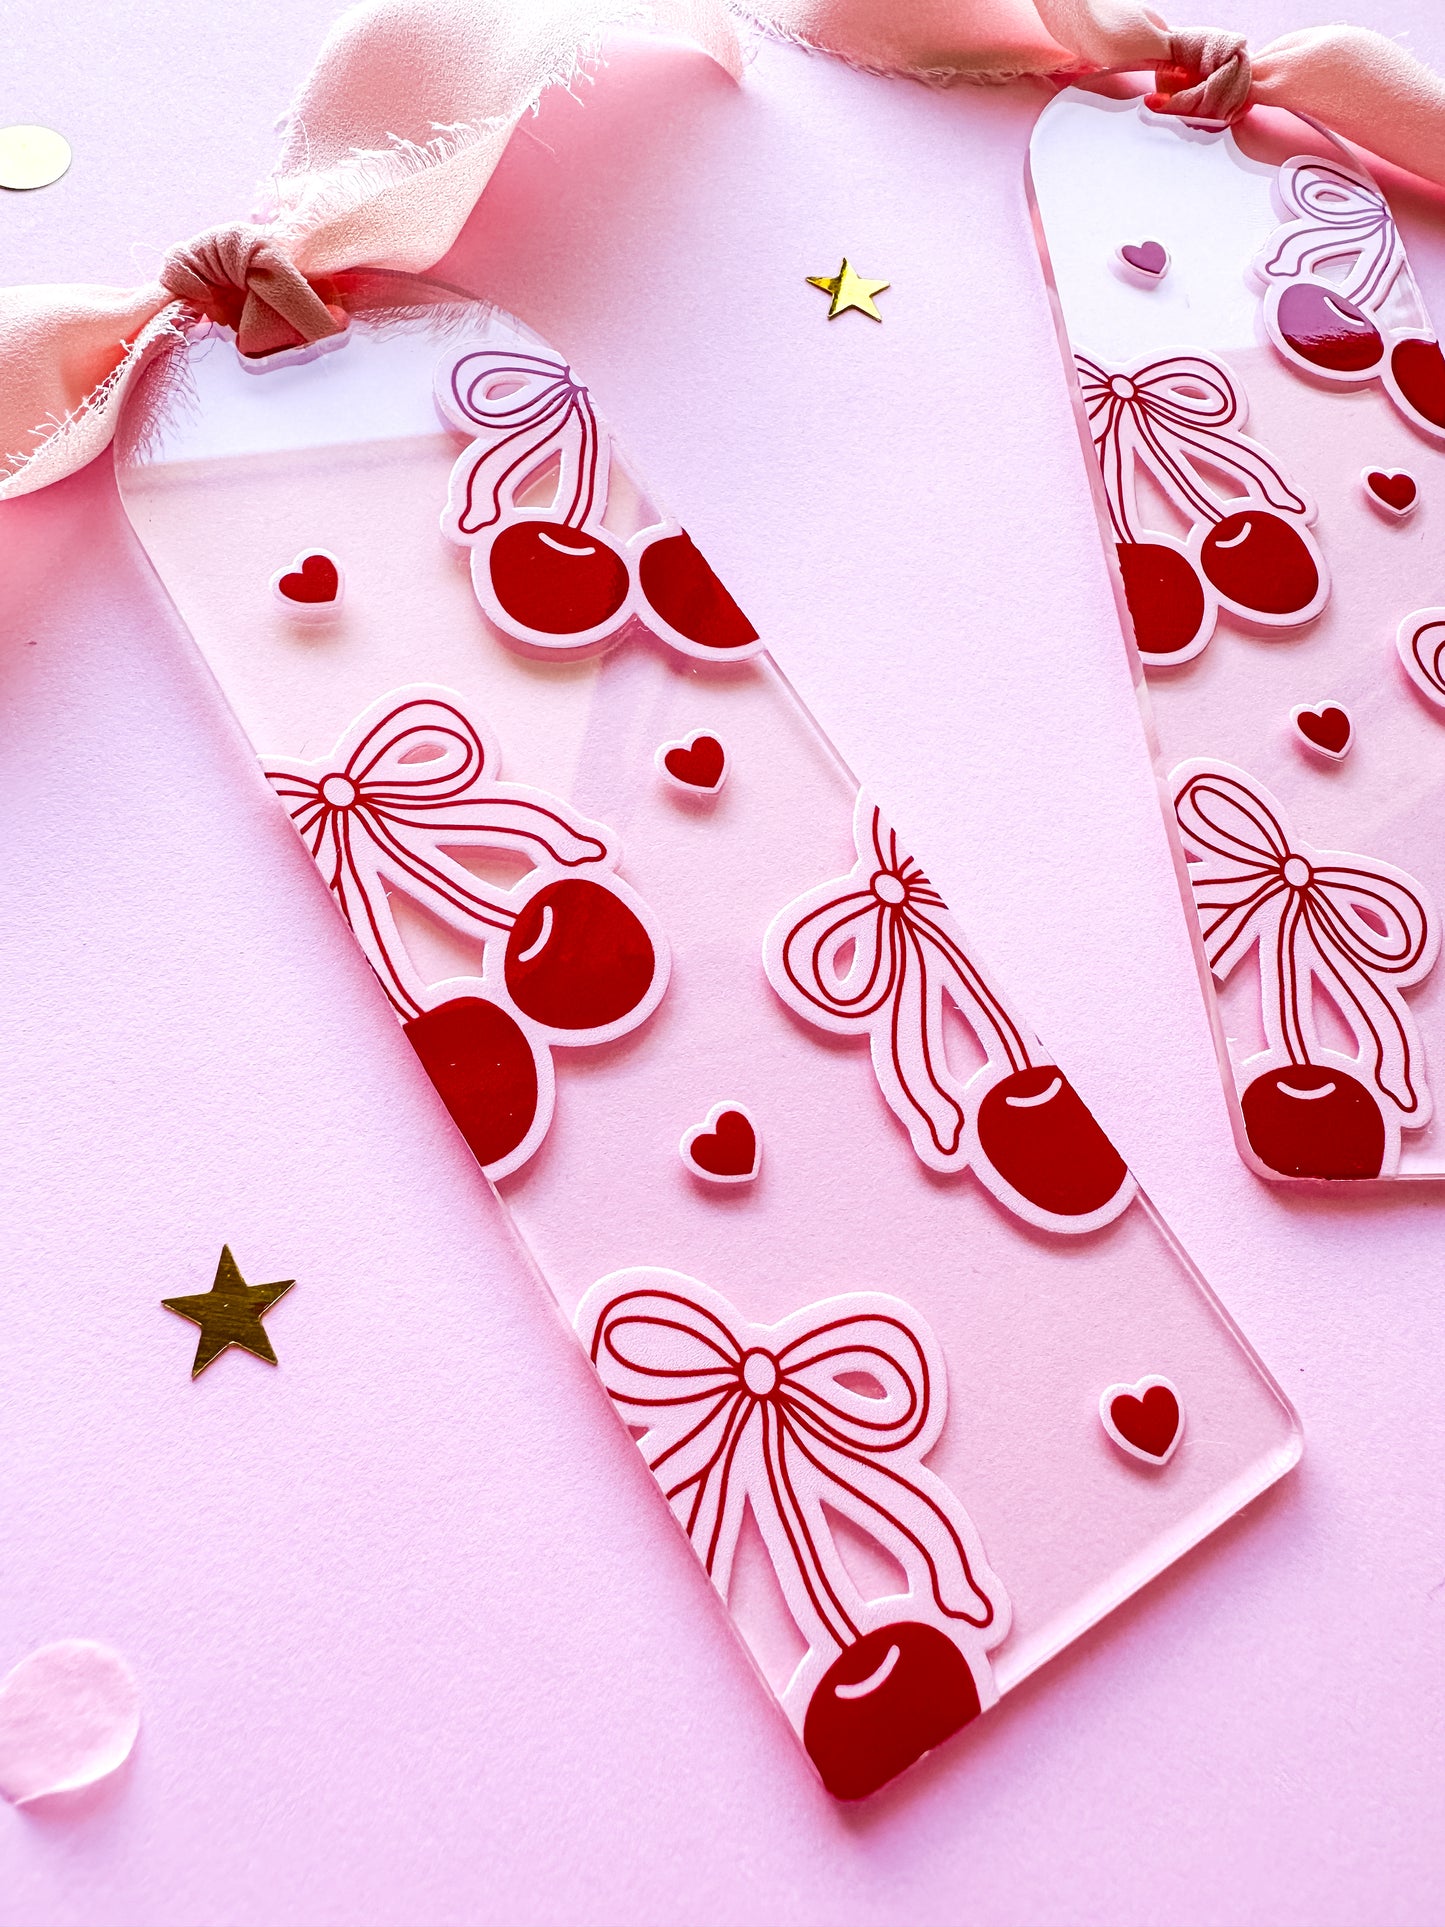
{"x": 849, "y": 290}
{"x": 229, "y": 1313}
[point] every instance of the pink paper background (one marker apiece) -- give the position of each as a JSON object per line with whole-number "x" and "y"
{"x": 412, "y": 1643}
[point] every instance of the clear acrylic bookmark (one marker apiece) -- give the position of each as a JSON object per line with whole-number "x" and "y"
{"x": 1263, "y": 393}
{"x": 921, "y": 1374}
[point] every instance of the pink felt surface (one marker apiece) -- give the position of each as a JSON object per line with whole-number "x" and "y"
{"x": 411, "y": 1639}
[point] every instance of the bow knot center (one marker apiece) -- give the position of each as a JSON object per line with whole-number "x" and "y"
{"x": 888, "y": 888}
{"x": 339, "y": 791}
{"x": 760, "y": 1373}
{"x": 1297, "y": 873}
{"x": 244, "y": 278}
{"x": 1121, "y": 386}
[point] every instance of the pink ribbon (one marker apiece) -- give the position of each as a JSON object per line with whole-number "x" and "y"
{"x": 372, "y": 816}
{"x": 543, "y": 412}
{"x": 905, "y": 952}
{"x": 411, "y": 103}
{"x": 762, "y": 1416}
{"x": 1363, "y": 930}
{"x": 1171, "y": 415}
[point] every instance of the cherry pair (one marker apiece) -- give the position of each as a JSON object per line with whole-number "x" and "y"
{"x": 556, "y": 585}
{"x": 577, "y": 960}
{"x": 1256, "y": 561}
{"x": 1323, "y": 331}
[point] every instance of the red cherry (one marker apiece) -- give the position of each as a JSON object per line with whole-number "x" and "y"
{"x": 557, "y": 580}
{"x": 1327, "y": 330}
{"x": 1165, "y": 597}
{"x": 679, "y": 582}
{"x": 1041, "y": 1138}
{"x": 884, "y": 1703}
{"x": 1419, "y": 368}
{"x": 1261, "y": 562}
{"x": 1311, "y": 1121}
{"x": 480, "y": 1061}
{"x": 577, "y": 957}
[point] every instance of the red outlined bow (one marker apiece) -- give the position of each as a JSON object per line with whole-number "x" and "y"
{"x": 408, "y": 781}
{"x": 1362, "y": 930}
{"x": 529, "y": 409}
{"x": 769, "y": 1417}
{"x": 1336, "y": 213}
{"x": 1173, "y": 415}
{"x": 875, "y": 951}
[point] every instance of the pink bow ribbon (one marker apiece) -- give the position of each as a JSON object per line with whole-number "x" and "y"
{"x": 1171, "y": 415}
{"x": 875, "y": 951}
{"x": 1363, "y": 930}
{"x": 764, "y": 1416}
{"x": 408, "y": 781}
{"x": 539, "y": 411}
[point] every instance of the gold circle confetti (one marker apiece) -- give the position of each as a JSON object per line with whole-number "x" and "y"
{"x": 32, "y": 156}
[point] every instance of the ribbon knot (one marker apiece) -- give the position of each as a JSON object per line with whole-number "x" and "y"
{"x": 1208, "y": 75}
{"x": 242, "y": 277}
{"x": 1363, "y": 930}
{"x": 772, "y": 1418}
{"x": 408, "y": 783}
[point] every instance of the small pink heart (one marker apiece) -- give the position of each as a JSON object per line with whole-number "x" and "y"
{"x": 1392, "y": 488}
{"x": 1145, "y": 1420}
{"x": 698, "y": 762}
{"x": 1146, "y": 257}
{"x": 69, "y": 1714}
{"x": 1326, "y": 727}
{"x": 724, "y": 1148}
{"x": 312, "y": 584}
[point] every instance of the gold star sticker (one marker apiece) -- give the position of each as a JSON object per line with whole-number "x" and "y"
{"x": 849, "y": 290}
{"x": 229, "y": 1313}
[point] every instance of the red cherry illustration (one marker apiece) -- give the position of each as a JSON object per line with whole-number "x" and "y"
{"x": 481, "y": 1063}
{"x": 1165, "y": 597}
{"x": 1327, "y": 330}
{"x": 557, "y": 580}
{"x": 577, "y": 957}
{"x": 679, "y": 582}
{"x": 884, "y": 1703}
{"x": 1419, "y": 368}
{"x": 1260, "y": 561}
{"x": 1040, "y": 1137}
{"x": 1311, "y": 1121}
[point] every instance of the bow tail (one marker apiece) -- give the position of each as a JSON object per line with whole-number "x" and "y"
{"x": 915, "y": 1519}
{"x": 910, "y": 1060}
{"x": 1381, "y": 1022}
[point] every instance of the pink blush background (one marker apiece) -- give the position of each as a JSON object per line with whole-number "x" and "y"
{"x": 412, "y": 1643}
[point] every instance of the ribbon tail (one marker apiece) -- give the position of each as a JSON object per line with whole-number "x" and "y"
{"x": 910, "y": 1060}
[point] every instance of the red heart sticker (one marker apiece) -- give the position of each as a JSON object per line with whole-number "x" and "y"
{"x": 1146, "y": 1419}
{"x": 1326, "y": 727}
{"x": 1393, "y": 489}
{"x": 1149, "y": 258}
{"x": 724, "y": 1148}
{"x": 312, "y": 585}
{"x": 698, "y": 762}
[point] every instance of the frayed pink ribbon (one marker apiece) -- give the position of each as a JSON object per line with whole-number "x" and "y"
{"x": 411, "y": 103}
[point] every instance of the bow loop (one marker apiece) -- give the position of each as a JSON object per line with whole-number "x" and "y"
{"x": 1337, "y": 214}
{"x": 528, "y": 410}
